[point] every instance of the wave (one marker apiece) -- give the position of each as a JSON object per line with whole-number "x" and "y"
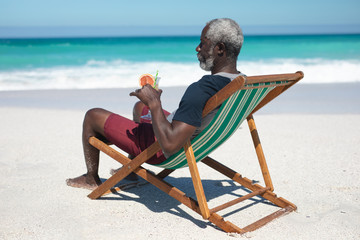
{"x": 315, "y": 70}
{"x": 124, "y": 74}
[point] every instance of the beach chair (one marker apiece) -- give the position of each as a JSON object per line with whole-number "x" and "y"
{"x": 239, "y": 100}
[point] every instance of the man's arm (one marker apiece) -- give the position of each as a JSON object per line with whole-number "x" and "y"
{"x": 171, "y": 136}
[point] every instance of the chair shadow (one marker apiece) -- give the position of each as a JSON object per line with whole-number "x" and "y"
{"x": 157, "y": 201}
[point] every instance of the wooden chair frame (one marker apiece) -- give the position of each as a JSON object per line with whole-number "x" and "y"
{"x": 200, "y": 205}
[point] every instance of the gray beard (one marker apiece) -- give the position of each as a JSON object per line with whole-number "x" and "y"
{"x": 206, "y": 64}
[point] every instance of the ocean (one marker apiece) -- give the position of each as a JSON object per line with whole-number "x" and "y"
{"x": 117, "y": 62}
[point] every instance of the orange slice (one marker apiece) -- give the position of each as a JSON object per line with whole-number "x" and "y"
{"x": 146, "y": 79}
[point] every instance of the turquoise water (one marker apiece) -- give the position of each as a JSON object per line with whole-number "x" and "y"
{"x": 27, "y": 53}
{"x": 340, "y": 47}
{"x": 117, "y": 62}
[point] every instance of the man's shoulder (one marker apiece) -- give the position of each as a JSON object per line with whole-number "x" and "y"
{"x": 208, "y": 82}
{"x": 215, "y": 82}
{"x": 213, "y": 77}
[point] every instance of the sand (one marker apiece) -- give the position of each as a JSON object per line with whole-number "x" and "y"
{"x": 311, "y": 139}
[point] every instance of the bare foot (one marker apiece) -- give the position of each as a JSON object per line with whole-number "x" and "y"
{"x": 82, "y": 182}
{"x": 131, "y": 177}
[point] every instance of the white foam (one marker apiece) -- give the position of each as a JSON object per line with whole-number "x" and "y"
{"x": 315, "y": 70}
{"x": 121, "y": 74}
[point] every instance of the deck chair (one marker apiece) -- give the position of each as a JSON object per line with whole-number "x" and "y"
{"x": 239, "y": 100}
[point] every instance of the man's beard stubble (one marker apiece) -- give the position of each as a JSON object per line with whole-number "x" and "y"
{"x": 206, "y": 64}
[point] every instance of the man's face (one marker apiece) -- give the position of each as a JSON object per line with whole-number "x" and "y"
{"x": 205, "y": 52}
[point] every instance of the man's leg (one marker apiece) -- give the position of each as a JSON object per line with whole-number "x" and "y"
{"x": 137, "y": 113}
{"x": 93, "y": 126}
{"x": 141, "y": 109}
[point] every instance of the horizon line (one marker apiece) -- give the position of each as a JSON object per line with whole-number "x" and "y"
{"x": 158, "y": 31}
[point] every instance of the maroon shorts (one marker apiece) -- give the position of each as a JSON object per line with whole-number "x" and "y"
{"x": 131, "y": 137}
{"x": 145, "y": 111}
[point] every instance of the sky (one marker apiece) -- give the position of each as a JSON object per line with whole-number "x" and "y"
{"x": 24, "y": 18}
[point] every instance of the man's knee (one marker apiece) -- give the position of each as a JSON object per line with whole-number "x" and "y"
{"x": 93, "y": 113}
{"x": 95, "y": 118}
{"x": 137, "y": 111}
{"x": 138, "y": 107}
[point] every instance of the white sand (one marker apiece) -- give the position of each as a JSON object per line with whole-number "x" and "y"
{"x": 314, "y": 161}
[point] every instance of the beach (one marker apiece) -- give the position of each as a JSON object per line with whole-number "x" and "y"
{"x": 310, "y": 136}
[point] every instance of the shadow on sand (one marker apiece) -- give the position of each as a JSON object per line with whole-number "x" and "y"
{"x": 157, "y": 201}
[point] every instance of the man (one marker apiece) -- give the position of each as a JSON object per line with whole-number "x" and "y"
{"x": 220, "y": 44}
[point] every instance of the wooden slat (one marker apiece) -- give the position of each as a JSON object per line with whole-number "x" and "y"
{"x": 267, "y": 219}
{"x": 270, "y": 85}
{"x": 275, "y": 77}
{"x": 125, "y": 170}
{"x": 200, "y": 195}
{"x": 238, "y": 200}
{"x": 225, "y": 225}
{"x": 108, "y": 150}
{"x": 260, "y": 152}
{"x": 245, "y": 182}
{"x": 148, "y": 176}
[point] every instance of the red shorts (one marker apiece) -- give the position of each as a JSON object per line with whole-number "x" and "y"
{"x": 145, "y": 111}
{"x": 132, "y": 137}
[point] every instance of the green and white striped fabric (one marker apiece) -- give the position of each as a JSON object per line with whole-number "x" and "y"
{"x": 229, "y": 117}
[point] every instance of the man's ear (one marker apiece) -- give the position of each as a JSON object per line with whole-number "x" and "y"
{"x": 221, "y": 49}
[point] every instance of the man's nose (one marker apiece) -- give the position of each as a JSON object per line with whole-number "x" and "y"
{"x": 198, "y": 48}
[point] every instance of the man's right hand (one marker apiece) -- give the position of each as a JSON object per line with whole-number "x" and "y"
{"x": 171, "y": 136}
{"x": 147, "y": 94}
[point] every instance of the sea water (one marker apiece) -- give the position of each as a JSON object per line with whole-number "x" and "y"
{"x": 117, "y": 62}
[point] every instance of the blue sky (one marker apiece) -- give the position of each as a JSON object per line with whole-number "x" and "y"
{"x": 138, "y": 17}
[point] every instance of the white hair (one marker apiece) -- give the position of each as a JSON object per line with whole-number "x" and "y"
{"x": 227, "y": 31}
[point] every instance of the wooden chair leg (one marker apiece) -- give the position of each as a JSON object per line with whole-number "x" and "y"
{"x": 129, "y": 165}
{"x": 200, "y": 195}
{"x": 256, "y": 189}
{"x": 260, "y": 152}
{"x": 269, "y": 195}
